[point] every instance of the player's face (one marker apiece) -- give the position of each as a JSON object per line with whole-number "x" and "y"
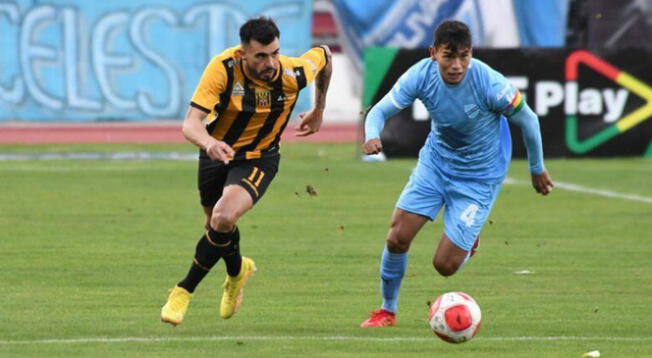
{"x": 452, "y": 64}
{"x": 262, "y": 61}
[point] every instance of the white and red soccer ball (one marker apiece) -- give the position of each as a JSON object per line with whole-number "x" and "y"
{"x": 455, "y": 317}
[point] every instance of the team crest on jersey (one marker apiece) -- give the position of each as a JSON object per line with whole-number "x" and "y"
{"x": 238, "y": 90}
{"x": 471, "y": 110}
{"x": 263, "y": 98}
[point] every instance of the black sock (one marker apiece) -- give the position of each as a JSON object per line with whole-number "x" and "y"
{"x": 233, "y": 260}
{"x": 231, "y": 252}
{"x": 193, "y": 278}
{"x": 206, "y": 256}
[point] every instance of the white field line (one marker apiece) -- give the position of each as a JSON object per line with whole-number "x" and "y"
{"x": 586, "y": 190}
{"x": 309, "y": 338}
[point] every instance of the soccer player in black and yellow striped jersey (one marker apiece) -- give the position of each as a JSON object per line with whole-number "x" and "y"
{"x": 246, "y": 94}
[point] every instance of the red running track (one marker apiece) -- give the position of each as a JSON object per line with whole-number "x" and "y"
{"x": 33, "y": 133}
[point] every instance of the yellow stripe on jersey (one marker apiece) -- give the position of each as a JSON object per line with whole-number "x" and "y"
{"x": 223, "y": 120}
{"x": 213, "y": 82}
{"x": 249, "y": 114}
{"x": 312, "y": 62}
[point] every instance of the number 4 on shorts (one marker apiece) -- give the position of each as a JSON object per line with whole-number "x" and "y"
{"x": 468, "y": 215}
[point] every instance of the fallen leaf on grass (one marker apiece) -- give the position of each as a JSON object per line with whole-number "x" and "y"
{"x": 311, "y": 190}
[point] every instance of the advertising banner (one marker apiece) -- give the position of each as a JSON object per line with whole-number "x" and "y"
{"x": 66, "y": 60}
{"x": 589, "y": 104}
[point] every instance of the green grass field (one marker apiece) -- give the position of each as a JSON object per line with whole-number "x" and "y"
{"x": 89, "y": 249}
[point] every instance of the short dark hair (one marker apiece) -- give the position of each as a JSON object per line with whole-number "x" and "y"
{"x": 262, "y": 29}
{"x": 453, "y": 33}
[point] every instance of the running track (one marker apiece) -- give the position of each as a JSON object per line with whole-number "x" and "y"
{"x": 166, "y": 132}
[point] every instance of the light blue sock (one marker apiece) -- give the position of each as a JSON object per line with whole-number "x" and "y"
{"x": 392, "y": 270}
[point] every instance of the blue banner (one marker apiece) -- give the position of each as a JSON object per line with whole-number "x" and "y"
{"x": 541, "y": 23}
{"x": 67, "y": 60}
{"x": 410, "y": 23}
{"x": 389, "y": 23}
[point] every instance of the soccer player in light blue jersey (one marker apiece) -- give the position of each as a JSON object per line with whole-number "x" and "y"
{"x": 463, "y": 162}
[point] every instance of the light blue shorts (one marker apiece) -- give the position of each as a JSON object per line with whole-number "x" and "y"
{"x": 466, "y": 202}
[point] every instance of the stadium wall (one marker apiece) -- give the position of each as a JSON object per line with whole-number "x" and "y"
{"x": 82, "y": 61}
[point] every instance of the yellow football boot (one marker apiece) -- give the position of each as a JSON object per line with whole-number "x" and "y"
{"x": 176, "y": 306}
{"x": 234, "y": 288}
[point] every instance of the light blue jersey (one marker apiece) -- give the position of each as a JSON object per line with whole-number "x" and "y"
{"x": 469, "y": 135}
{"x": 467, "y": 152}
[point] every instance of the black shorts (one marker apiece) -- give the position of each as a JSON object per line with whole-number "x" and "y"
{"x": 254, "y": 175}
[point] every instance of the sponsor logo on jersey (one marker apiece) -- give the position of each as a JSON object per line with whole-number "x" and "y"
{"x": 238, "y": 89}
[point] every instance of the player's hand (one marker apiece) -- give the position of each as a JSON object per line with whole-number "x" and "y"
{"x": 542, "y": 183}
{"x": 372, "y": 146}
{"x": 310, "y": 122}
{"x": 218, "y": 150}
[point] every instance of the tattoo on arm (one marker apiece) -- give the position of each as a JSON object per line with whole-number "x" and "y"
{"x": 322, "y": 80}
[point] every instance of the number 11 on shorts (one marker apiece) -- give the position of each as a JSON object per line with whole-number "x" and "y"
{"x": 252, "y": 177}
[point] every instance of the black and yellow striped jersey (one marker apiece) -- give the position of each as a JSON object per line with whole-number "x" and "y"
{"x": 249, "y": 114}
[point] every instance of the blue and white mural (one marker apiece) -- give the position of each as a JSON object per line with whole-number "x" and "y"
{"x": 66, "y": 60}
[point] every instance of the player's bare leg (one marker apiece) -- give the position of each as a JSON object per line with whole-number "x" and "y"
{"x": 449, "y": 257}
{"x": 403, "y": 229}
{"x": 475, "y": 248}
{"x": 234, "y": 203}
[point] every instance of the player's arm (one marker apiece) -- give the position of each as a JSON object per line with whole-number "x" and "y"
{"x": 375, "y": 122}
{"x": 507, "y": 100}
{"x": 211, "y": 85}
{"x": 195, "y": 132}
{"x": 524, "y": 117}
{"x": 312, "y": 120}
{"x": 400, "y": 96}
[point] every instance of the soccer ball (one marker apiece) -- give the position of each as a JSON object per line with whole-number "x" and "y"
{"x": 455, "y": 317}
